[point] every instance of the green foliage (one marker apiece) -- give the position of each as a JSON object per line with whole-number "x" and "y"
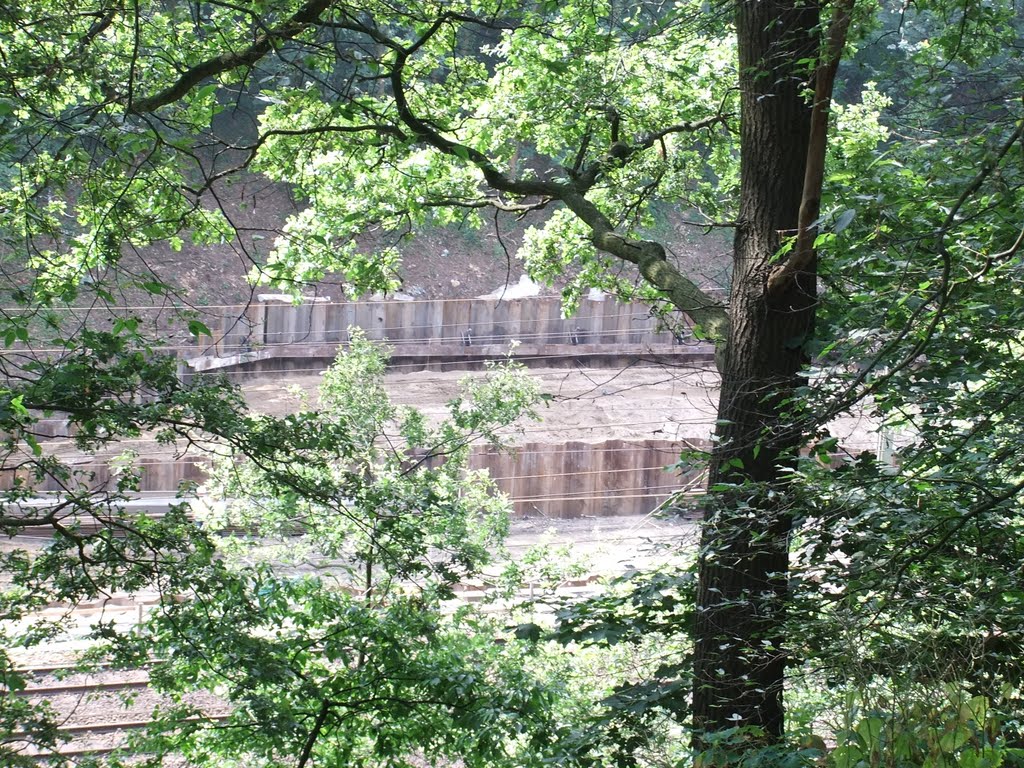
{"x": 394, "y": 492}
{"x": 533, "y": 105}
{"x": 107, "y": 389}
{"x": 393, "y": 515}
{"x": 362, "y": 662}
{"x": 647, "y": 618}
{"x": 744, "y": 746}
{"x": 907, "y": 562}
{"x": 958, "y": 730}
{"x": 394, "y": 116}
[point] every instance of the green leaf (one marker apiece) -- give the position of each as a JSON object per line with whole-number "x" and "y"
{"x": 198, "y": 328}
{"x": 155, "y": 287}
{"x": 17, "y": 406}
{"x": 530, "y": 632}
{"x": 843, "y": 220}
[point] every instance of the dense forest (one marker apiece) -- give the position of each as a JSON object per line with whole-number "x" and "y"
{"x": 867, "y": 162}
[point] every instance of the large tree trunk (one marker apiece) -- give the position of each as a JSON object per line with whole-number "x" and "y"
{"x": 743, "y": 564}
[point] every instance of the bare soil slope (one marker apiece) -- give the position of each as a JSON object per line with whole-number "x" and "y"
{"x": 455, "y": 262}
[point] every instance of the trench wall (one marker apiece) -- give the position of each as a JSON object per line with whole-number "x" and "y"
{"x": 558, "y": 480}
{"x": 531, "y": 321}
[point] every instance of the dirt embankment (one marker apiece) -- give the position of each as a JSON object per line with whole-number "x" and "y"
{"x": 454, "y": 262}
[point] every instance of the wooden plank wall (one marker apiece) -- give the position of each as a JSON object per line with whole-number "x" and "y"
{"x": 454, "y": 322}
{"x": 163, "y": 476}
{"x": 577, "y": 479}
{"x": 558, "y": 480}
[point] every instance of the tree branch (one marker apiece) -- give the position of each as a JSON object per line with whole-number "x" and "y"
{"x": 498, "y": 180}
{"x": 648, "y": 256}
{"x": 620, "y": 152}
{"x": 804, "y": 252}
{"x": 979, "y": 509}
{"x": 252, "y": 149}
{"x": 490, "y": 202}
{"x": 302, "y": 19}
{"x": 647, "y": 141}
{"x": 98, "y": 28}
{"x": 314, "y": 733}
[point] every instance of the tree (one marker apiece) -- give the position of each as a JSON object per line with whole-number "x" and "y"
{"x": 930, "y": 329}
{"x": 592, "y": 110}
{"x": 110, "y": 387}
{"x": 739, "y": 661}
{"x": 360, "y": 660}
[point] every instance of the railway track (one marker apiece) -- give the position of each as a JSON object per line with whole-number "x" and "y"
{"x": 83, "y": 688}
{"x": 104, "y": 720}
{"x": 84, "y": 695}
{"x": 96, "y": 739}
{"x": 106, "y": 729}
{"x": 40, "y": 670}
{"x": 132, "y": 725}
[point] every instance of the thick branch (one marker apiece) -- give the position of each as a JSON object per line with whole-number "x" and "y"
{"x": 646, "y": 142}
{"x": 98, "y": 28}
{"x": 814, "y": 172}
{"x": 498, "y": 180}
{"x": 685, "y": 295}
{"x": 314, "y": 733}
{"x": 649, "y": 257}
{"x": 301, "y": 20}
{"x": 14, "y": 515}
{"x": 489, "y": 202}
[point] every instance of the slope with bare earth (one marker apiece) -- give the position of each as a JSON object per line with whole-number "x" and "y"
{"x": 453, "y": 262}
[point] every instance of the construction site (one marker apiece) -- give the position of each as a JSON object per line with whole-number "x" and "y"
{"x": 606, "y": 476}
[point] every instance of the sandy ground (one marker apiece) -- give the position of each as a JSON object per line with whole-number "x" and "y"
{"x": 662, "y": 403}
{"x": 638, "y": 402}
{"x": 586, "y": 405}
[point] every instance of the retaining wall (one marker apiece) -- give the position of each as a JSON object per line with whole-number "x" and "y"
{"x": 558, "y": 480}
{"x": 448, "y": 322}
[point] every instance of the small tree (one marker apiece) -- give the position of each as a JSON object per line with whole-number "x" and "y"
{"x": 360, "y": 659}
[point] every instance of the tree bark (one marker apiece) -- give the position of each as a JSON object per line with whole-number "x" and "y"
{"x": 743, "y": 562}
